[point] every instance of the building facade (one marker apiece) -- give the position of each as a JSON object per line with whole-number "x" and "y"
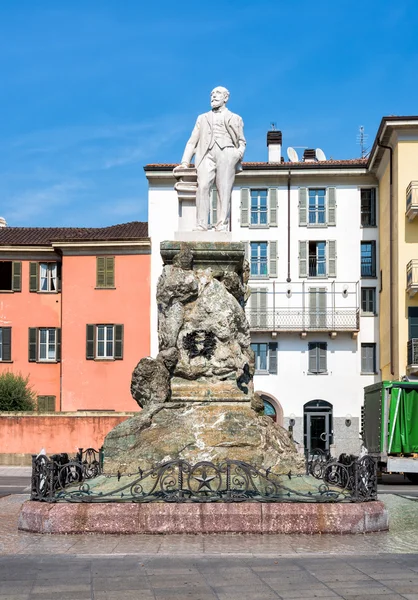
{"x": 311, "y": 238}
{"x": 74, "y": 312}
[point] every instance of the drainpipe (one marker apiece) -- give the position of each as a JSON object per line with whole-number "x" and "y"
{"x": 288, "y": 228}
{"x": 392, "y": 370}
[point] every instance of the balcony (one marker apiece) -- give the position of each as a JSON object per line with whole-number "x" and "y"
{"x": 412, "y": 200}
{"x": 412, "y": 277}
{"x": 412, "y": 366}
{"x": 299, "y": 320}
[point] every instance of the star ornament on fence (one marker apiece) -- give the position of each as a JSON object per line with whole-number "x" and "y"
{"x": 205, "y": 480}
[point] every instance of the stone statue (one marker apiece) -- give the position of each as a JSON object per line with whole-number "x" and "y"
{"x": 218, "y": 144}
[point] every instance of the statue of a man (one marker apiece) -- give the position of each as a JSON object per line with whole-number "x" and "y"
{"x": 218, "y": 143}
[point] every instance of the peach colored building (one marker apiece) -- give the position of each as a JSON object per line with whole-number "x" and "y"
{"x": 75, "y": 312}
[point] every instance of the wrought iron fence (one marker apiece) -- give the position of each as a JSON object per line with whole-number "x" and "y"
{"x": 228, "y": 481}
{"x": 299, "y": 319}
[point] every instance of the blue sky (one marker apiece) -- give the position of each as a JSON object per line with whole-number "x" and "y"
{"x": 93, "y": 90}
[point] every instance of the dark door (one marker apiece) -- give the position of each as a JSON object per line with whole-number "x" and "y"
{"x": 318, "y": 431}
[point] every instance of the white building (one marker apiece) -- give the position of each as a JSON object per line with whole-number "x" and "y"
{"x": 311, "y": 238}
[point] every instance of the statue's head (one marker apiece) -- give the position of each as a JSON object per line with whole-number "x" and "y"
{"x": 219, "y": 97}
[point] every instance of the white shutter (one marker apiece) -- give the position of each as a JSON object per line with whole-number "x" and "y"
{"x": 272, "y": 207}
{"x": 254, "y": 298}
{"x": 303, "y": 195}
{"x": 331, "y": 205}
{"x": 332, "y": 258}
{"x": 272, "y": 259}
{"x": 303, "y": 262}
{"x": 262, "y": 307}
{"x": 245, "y": 202}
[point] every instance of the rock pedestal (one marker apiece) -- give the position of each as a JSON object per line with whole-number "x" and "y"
{"x": 197, "y": 395}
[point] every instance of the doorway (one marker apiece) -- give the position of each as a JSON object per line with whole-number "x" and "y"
{"x": 318, "y": 431}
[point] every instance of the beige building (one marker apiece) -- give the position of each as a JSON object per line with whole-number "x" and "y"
{"x": 394, "y": 161}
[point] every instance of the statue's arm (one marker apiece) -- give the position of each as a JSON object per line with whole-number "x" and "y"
{"x": 191, "y": 145}
{"x": 241, "y": 139}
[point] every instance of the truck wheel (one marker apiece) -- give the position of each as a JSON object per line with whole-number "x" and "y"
{"x": 413, "y": 477}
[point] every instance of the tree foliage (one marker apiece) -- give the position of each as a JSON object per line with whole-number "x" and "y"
{"x": 16, "y": 393}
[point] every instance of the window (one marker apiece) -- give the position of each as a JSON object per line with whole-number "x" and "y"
{"x": 317, "y": 207}
{"x": 317, "y": 357}
{"x": 5, "y": 344}
{"x": 368, "y": 259}
{"x": 368, "y": 300}
{"x": 368, "y": 207}
{"x": 317, "y": 259}
{"x": 104, "y": 342}
{"x": 265, "y": 357}
{"x": 259, "y": 207}
{"x": 44, "y": 344}
{"x": 10, "y": 276}
{"x": 368, "y": 358}
{"x": 263, "y": 259}
{"x": 105, "y": 272}
{"x": 46, "y": 403}
{"x": 44, "y": 277}
{"x": 257, "y": 311}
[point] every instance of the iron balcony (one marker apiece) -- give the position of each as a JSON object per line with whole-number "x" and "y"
{"x": 299, "y": 320}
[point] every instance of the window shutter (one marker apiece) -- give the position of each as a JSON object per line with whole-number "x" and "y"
{"x": 412, "y": 322}
{"x": 247, "y": 251}
{"x": 262, "y": 303}
{"x": 332, "y": 258}
{"x": 110, "y": 271}
{"x": 59, "y": 276}
{"x": 332, "y": 205}
{"x": 17, "y": 276}
{"x": 46, "y": 403}
{"x": 273, "y": 207}
{"x": 303, "y": 259}
{"x": 6, "y": 343}
{"x": 254, "y": 298}
{"x": 58, "y": 342}
{"x": 273, "y": 259}
{"x": 312, "y": 366}
{"x": 273, "y": 358}
{"x": 245, "y": 201}
{"x": 33, "y": 335}
{"x": 322, "y": 358}
{"x": 303, "y": 195}
{"x": 214, "y": 211}
{"x": 90, "y": 342}
{"x": 118, "y": 342}
{"x": 100, "y": 271}
{"x": 33, "y": 276}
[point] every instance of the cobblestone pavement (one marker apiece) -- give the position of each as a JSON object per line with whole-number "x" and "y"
{"x": 222, "y": 567}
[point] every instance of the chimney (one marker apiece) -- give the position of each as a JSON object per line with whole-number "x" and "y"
{"x": 3, "y": 222}
{"x": 309, "y": 155}
{"x": 274, "y": 145}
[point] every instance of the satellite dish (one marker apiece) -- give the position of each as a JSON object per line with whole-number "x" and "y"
{"x": 292, "y": 154}
{"x": 320, "y": 155}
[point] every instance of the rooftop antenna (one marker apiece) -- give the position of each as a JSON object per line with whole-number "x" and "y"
{"x": 362, "y": 139}
{"x": 273, "y": 126}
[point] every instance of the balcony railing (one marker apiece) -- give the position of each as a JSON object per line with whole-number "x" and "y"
{"x": 298, "y": 319}
{"x": 412, "y": 366}
{"x": 412, "y": 277}
{"x": 412, "y": 200}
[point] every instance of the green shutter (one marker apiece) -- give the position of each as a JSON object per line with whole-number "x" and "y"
{"x": 312, "y": 362}
{"x": 110, "y": 271}
{"x": 273, "y": 358}
{"x": 6, "y": 343}
{"x": 322, "y": 357}
{"x": 58, "y": 344}
{"x": 17, "y": 276}
{"x": 273, "y": 259}
{"x": 302, "y": 260}
{"x": 332, "y": 258}
{"x": 332, "y": 206}
{"x": 214, "y": 207}
{"x": 33, "y": 276}
{"x": 118, "y": 342}
{"x": 245, "y": 202}
{"x": 273, "y": 207}
{"x": 46, "y": 403}
{"x": 90, "y": 342}
{"x": 33, "y": 336}
{"x": 303, "y": 195}
{"x": 262, "y": 294}
{"x": 100, "y": 271}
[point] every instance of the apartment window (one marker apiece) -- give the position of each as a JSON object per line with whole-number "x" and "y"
{"x": 44, "y": 277}
{"x": 104, "y": 342}
{"x": 317, "y": 352}
{"x": 265, "y": 355}
{"x": 368, "y": 358}
{"x": 317, "y": 259}
{"x": 263, "y": 259}
{"x": 5, "y": 344}
{"x": 317, "y": 207}
{"x": 368, "y": 259}
{"x": 44, "y": 344}
{"x": 10, "y": 276}
{"x": 368, "y": 207}
{"x": 46, "y": 403}
{"x": 368, "y": 300}
{"x": 105, "y": 272}
{"x": 259, "y": 207}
